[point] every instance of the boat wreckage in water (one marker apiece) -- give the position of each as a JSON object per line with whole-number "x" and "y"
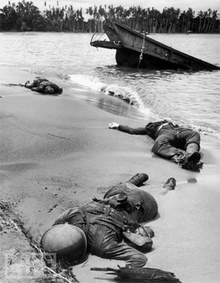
{"x": 137, "y": 50}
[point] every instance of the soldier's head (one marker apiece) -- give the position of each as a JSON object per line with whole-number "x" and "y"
{"x": 65, "y": 240}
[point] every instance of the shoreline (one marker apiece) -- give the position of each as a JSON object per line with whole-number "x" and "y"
{"x": 58, "y": 152}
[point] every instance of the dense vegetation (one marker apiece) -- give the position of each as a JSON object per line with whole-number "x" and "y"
{"x": 26, "y": 17}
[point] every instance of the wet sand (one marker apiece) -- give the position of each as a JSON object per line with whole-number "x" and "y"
{"x": 57, "y": 152}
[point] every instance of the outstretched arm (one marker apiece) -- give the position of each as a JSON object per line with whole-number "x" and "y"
{"x": 127, "y": 129}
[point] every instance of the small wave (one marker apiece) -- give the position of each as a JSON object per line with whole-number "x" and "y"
{"x": 25, "y": 69}
{"x": 201, "y": 128}
{"x": 9, "y": 64}
{"x": 86, "y": 81}
{"x": 206, "y": 130}
{"x": 123, "y": 93}
{"x": 47, "y": 74}
{"x": 93, "y": 83}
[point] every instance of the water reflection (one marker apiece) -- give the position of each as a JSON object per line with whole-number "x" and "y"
{"x": 18, "y": 166}
{"x": 191, "y": 98}
{"x": 115, "y": 105}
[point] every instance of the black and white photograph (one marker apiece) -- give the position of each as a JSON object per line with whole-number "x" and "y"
{"x": 109, "y": 141}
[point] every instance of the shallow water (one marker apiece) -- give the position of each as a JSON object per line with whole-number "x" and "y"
{"x": 189, "y": 98}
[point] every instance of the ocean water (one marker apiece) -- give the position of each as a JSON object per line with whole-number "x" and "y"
{"x": 188, "y": 98}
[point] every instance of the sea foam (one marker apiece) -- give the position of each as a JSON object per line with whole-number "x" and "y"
{"x": 122, "y": 92}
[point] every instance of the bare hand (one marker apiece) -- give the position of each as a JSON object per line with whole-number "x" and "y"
{"x": 113, "y": 125}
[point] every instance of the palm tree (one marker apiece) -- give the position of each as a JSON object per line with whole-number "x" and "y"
{"x": 208, "y": 20}
{"x": 176, "y": 15}
{"x": 154, "y": 18}
{"x": 165, "y": 19}
{"x": 9, "y": 18}
{"x": 189, "y": 18}
{"x": 200, "y": 15}
{"x": 90, "y": 12}
{"x": 111, "y": 12}
{"x": 214, "y": 18}
{"x": 27, "y": 14}
{"x": 205, "y": 14}
{"x": 102, "y": 17}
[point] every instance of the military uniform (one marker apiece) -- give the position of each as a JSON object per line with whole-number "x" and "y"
{"x": 104, "y": 224}
{"x": 44, "y": 86}
{"x": 179, "y": 144}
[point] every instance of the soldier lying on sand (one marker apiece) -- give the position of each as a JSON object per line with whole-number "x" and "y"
{"x": 113, "y": 225}
{"x": 44, "y": 86}
{"x": 173, "y": 142}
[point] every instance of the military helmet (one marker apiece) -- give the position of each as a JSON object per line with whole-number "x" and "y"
{"x": 65, "y": 240}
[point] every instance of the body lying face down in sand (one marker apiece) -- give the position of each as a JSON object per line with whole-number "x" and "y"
{"x": 172, "y": 142}
{"x": 112, "y": 225}
{"x": 44, "y": 86}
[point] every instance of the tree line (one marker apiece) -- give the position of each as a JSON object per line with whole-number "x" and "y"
{"x": 27, "y": 17}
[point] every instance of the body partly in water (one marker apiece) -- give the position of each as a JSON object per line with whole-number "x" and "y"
{"x": 187, "y": 98}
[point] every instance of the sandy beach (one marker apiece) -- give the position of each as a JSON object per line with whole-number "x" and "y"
{"x": 58, "y": 152}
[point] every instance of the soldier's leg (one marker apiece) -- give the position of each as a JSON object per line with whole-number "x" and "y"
{"x": 163, "y": 146}
{"x": 192, "y": 147}
{"x": 191, "y": 139}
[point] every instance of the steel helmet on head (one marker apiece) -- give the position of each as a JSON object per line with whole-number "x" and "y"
{"x": 65, "y": 240}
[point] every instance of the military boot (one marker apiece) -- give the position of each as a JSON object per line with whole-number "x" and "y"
{"x": 138, "y": 179}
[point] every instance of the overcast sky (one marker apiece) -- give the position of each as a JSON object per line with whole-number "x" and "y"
{"x": 196, "y": 5}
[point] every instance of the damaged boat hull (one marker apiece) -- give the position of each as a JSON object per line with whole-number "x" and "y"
{"x": 137, "y": 50}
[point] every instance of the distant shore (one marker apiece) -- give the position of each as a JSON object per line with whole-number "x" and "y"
{"x": 66, "y": 19}
{"x": 57, "y": 152}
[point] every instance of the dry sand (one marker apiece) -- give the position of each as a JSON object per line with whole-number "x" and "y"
{"x": 57, "y": 152}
